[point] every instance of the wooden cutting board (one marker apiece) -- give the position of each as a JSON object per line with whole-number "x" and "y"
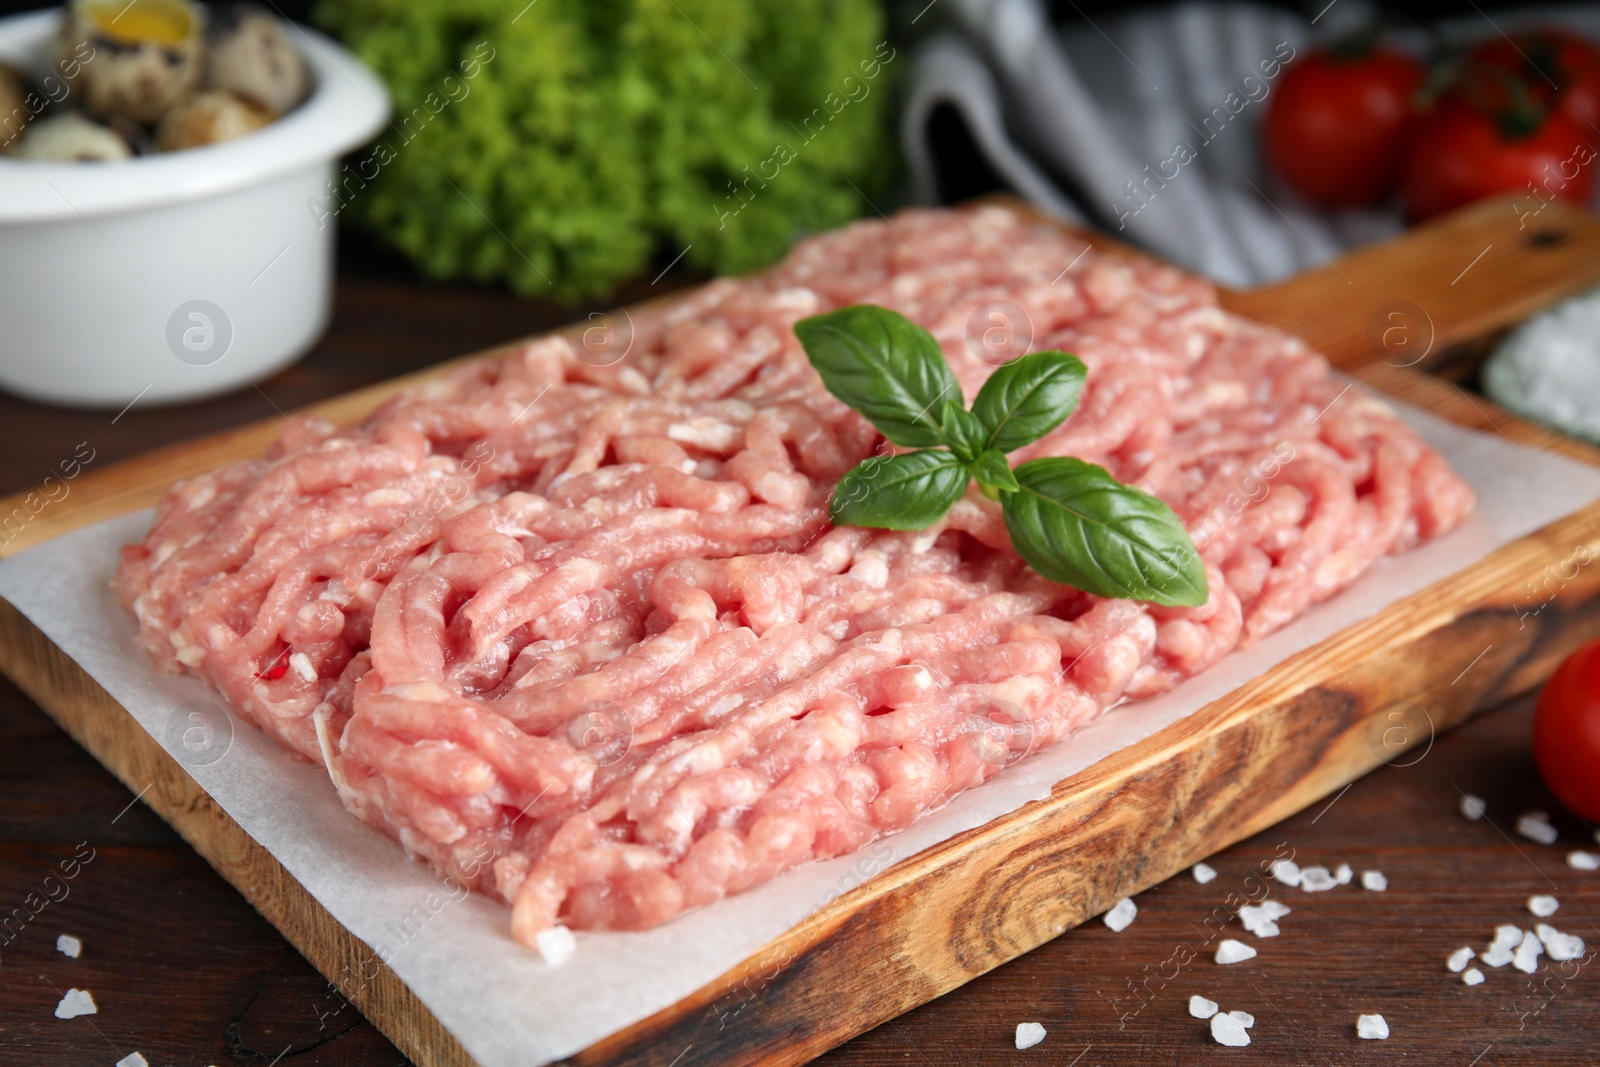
{"x": 919, "y": 929}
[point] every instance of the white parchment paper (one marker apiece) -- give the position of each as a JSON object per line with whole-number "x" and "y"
{"x": 507, "y": 1008}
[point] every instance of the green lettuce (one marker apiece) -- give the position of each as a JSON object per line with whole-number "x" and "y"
{"x": 559, "y": 145}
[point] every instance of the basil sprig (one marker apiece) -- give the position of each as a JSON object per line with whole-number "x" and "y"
{"x": 1070, "y": 520}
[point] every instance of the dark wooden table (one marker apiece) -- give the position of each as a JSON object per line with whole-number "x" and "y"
{"x": 184, "y": 971}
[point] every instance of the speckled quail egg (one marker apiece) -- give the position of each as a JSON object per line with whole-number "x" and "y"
{"x": 14, "y": 110}
{"x": 208, "y": 118}
{"x": 251, "y": 55}
{"x": 70, "y": 137}
{"x": 136, "y": 57}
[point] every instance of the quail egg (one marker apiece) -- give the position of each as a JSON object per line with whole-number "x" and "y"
{"x": 70, "y": 137}
{"x": 208, "y": 118}
{"x": 251, "y": 55}
{"x": 14, "y": 109}
{"x": 143, "y": 55}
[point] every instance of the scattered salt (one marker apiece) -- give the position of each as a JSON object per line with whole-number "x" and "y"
{"x": 1203, "y": 872}
{"x": 68, "y": 945}
{"x": 1201, "y": 1008}
{"x": 1231, "y": 951}
{"x": 1459, "y": 959}
{"x": 1029, "y": 1034}
{"x": 1317, "y": 879}
{"x": 1472, "y": 976}
{"x": 1259, "y": 919}
{"x": 1342, "y": 874}
{"x": 1473, "y": 807}
{"x": 1285, "y": 871}
{"x": 1543, "y": 905}
{"x": 1374, "y": 880}
{"x": 1579, "y": 860}
{"x": 133, "y": 1059}
{"x": 1535, "y": 826}
{"x": 1229, "y": 1031}
{"x": 1372, "y": 1027}
{"x": 1558, "y": 945}
{"x": 1121, "y": 914}
{"x": 1527, "y": 955}
{"x": 1246, "y": 1020}
{"x": 555, "y": 945}
{"x": 77, "y": 1002}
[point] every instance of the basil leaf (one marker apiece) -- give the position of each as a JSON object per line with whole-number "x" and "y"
{"x": 886, "y": 367}
{"x": 1029, "y": 397}
{"x": 962, "y": 431}
{"x": 1074, "y": 523}
{"x": 993, "y": 472}
{"x": 905, "y": 492}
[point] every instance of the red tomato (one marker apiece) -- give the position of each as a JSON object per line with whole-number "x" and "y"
{"x": 1553, "y": 64}
{"x": 1566, "y": 732}
{"x": 1336, "y": 126}
{"x": 1459, "y": 155}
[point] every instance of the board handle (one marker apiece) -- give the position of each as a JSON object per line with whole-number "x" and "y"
{"x": 1449, "y": 281}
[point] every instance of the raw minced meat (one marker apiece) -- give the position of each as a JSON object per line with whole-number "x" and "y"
{"x": 576, "y": 628}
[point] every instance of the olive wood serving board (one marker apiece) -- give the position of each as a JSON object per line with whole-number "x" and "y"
{"x": 946, "y": 915}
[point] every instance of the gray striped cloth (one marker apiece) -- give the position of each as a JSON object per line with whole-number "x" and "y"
{"x": 1147, "y": 123}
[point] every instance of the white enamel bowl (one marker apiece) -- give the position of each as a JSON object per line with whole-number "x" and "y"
{"x": 182, "y": 275}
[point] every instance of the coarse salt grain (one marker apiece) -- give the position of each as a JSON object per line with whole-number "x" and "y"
{"x": 1231, "y": 951}
{"x": 1535, "y": 826}
{"x": 1496, "y": 957}
{"x": 1201, "y": 1008}
{"x": 77, "y": 1002}
{"x": 1473, "y": 807}
{"x": 1121, "y": 914}
{"x": 1029, "y": 1034}
{"x": 555, "y": 944}
{"x": 1506, "y": 938}
{"x": 1526, "y": 958}
{"x": 1246, "y": 1020}
{"x": 68, "y": 945}
{"x": 1543, "y": 905}
{"x": 1372, "y": 1028}
{"x": 1228, "y": 1031}
{"x": 1507, "y": 935}
{"x": 1374, "y": 880}
{"x": 1342, "y": 874}
{"x": 1260, "y": 919}
{"x": 1285, "y": 871}
{"x": 1472, "y": 976}
{"x": 1579, "y": 860}
{"x": 1459, "y": 959}
{"x": 133, "y": 1059}
{"x": 1317, "y": 879}
{"x": 1559, "y": 946}
{"x": 1203, "y": 872}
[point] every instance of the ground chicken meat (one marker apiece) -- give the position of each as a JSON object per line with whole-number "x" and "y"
{"x": 581, "y": 609}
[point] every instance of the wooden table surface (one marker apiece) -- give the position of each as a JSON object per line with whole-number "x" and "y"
{"x": 184, "y": 971}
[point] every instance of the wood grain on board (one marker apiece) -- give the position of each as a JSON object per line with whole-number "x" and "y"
{"x": 1448, "y": 281}
{"x": 933, "y": 922}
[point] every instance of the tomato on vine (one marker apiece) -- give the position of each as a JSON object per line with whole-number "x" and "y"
{"x": 1335, "y": 128}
